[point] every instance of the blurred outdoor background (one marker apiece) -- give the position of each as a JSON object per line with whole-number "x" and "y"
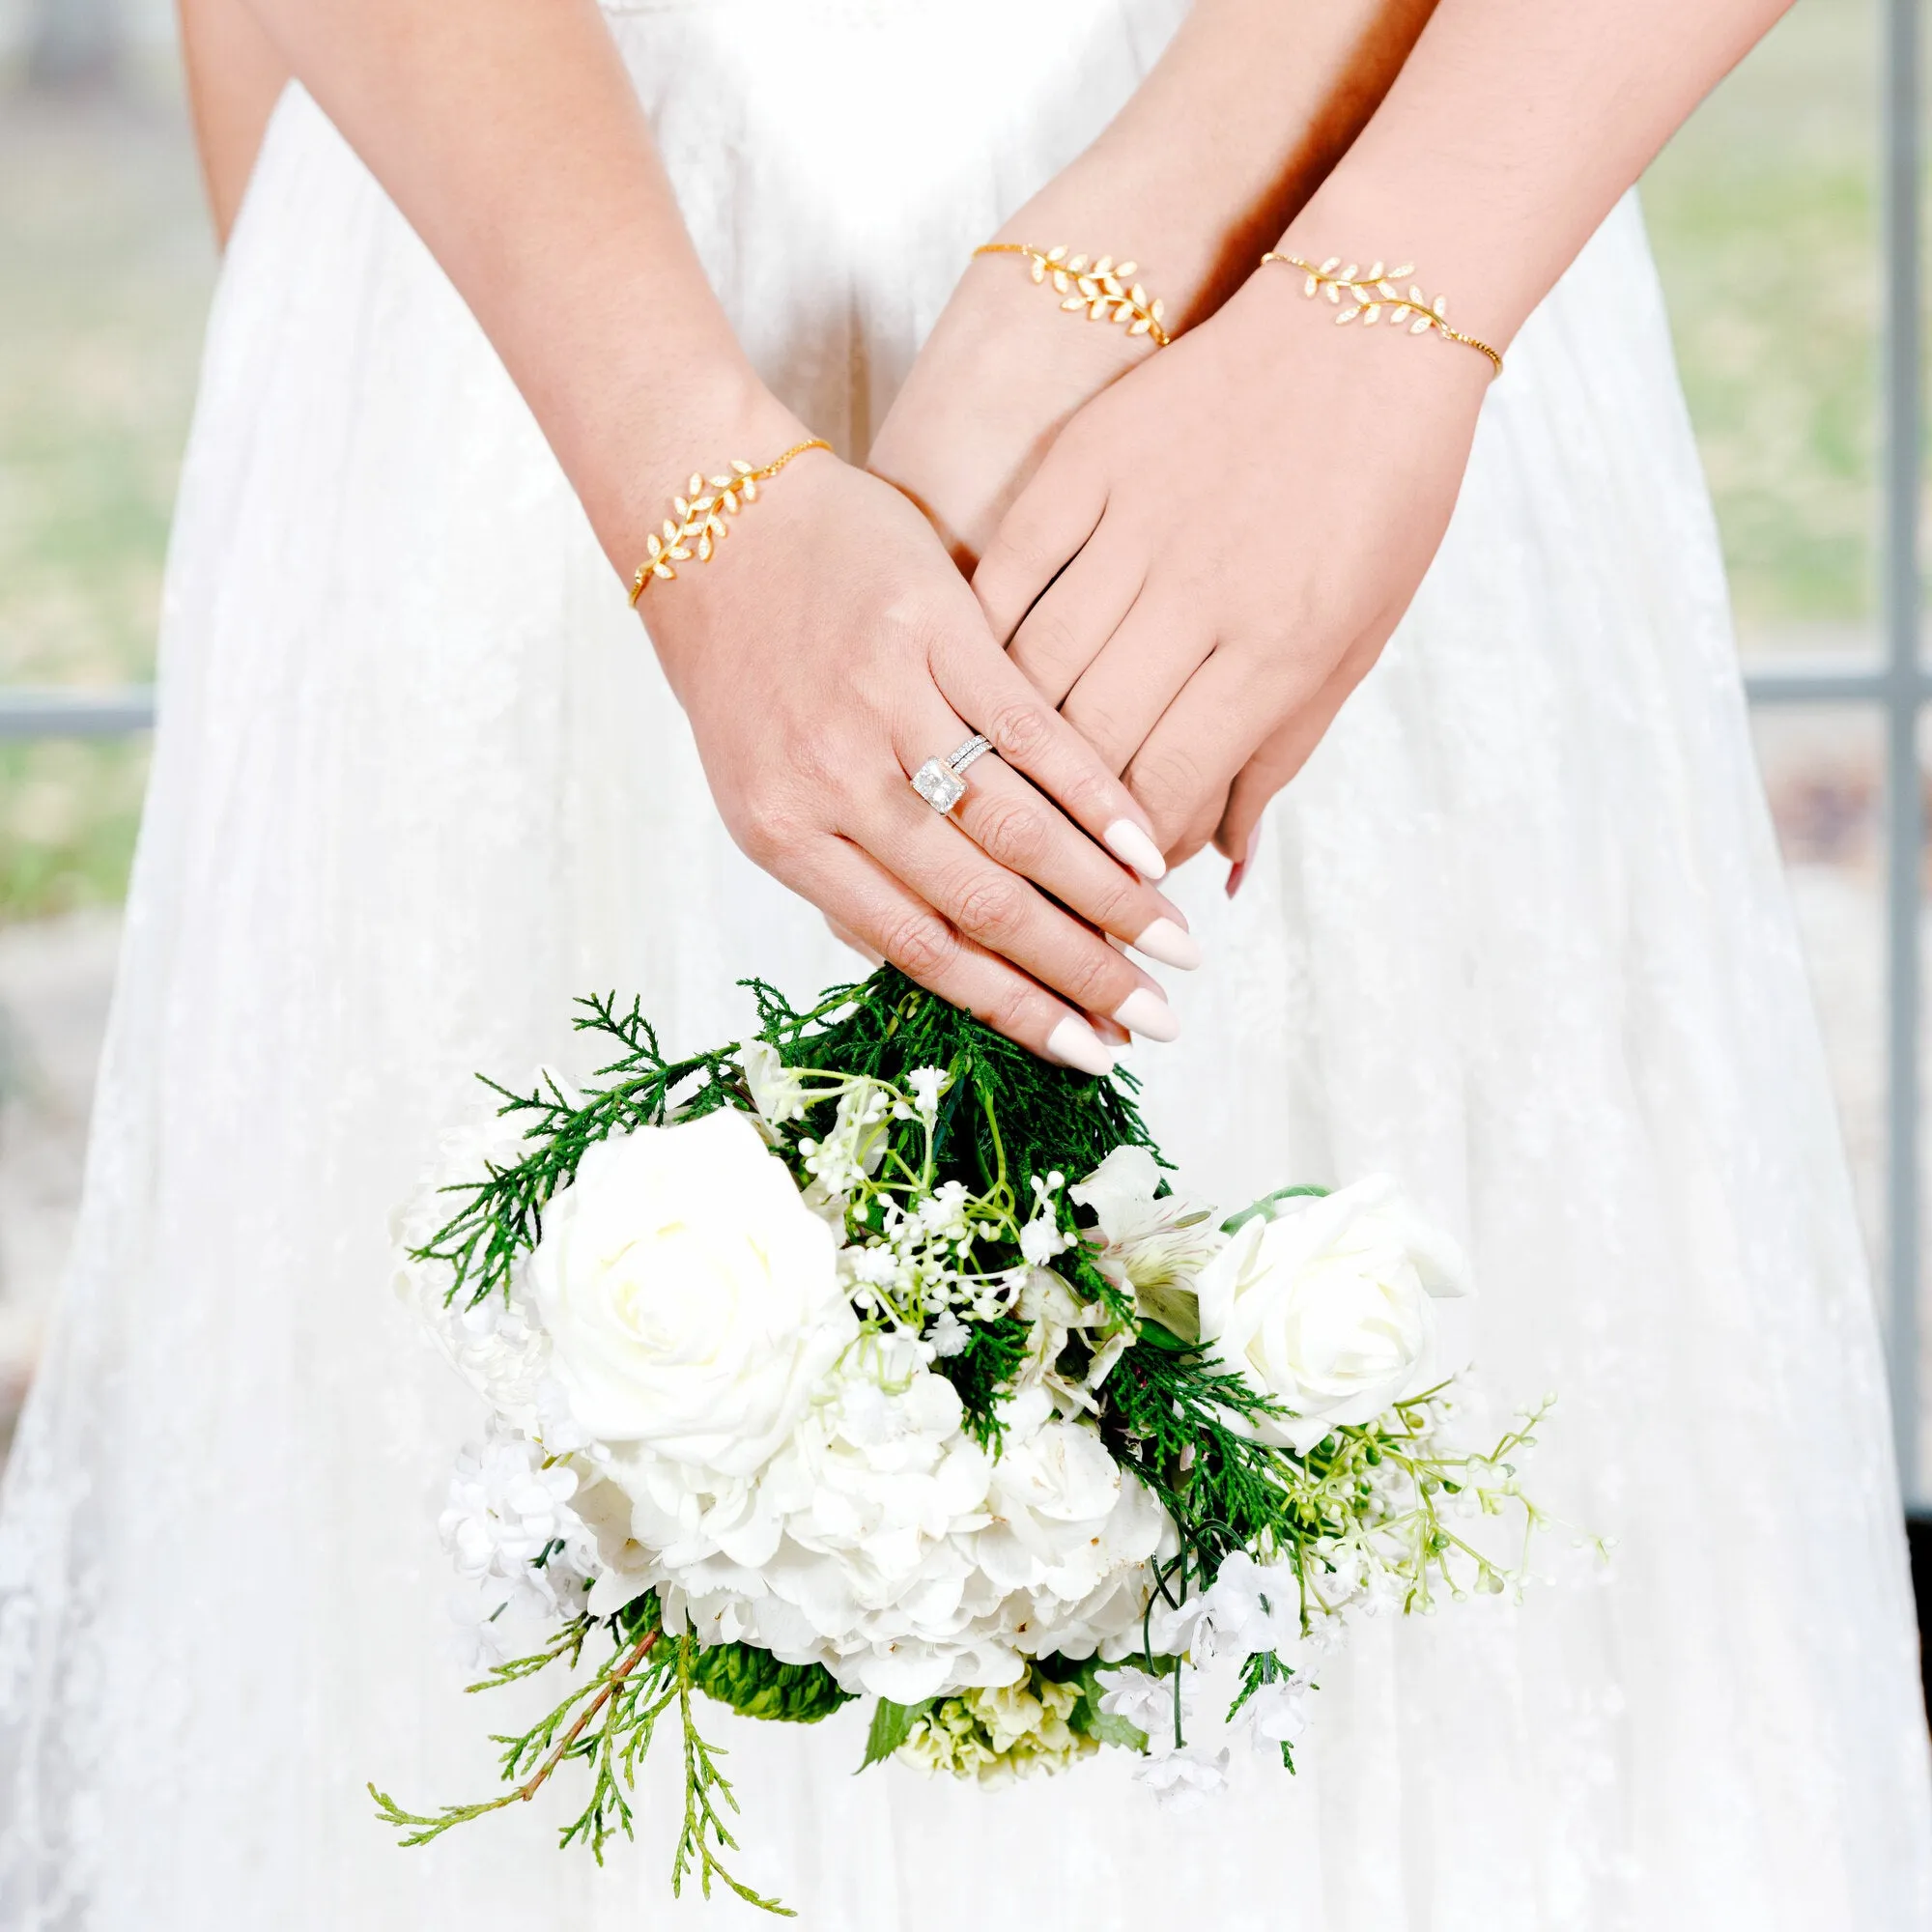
{"x": 1765, "y": 218}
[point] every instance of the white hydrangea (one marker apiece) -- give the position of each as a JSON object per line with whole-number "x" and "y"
{"x": 1250, "y": 1607}
{"x": 509, "y": 1526}
{"x": 497, "y": 1346}
{"x": 886, "y": 1543}
{"x": 1182, "y": 1780}
{"x": 1145, "y": 1701}
{"x": 1277, "y": 1714}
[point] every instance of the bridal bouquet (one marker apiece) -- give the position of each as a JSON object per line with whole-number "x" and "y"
{"x": 873, "y": 1357}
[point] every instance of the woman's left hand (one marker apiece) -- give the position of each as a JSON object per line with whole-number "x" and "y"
{"x": 1215, "y": 550}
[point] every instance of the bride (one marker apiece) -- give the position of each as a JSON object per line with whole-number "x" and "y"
{"x": 504, "y": 277}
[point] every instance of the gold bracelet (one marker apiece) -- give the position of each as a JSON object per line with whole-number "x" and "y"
{"x": 699, "y": 527}
{"x": 1106, "y": 290}
{"x": 1369, "y": 295}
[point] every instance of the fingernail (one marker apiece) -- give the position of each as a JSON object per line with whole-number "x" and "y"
{"x": 1172, "y": 943}
{"x": 1239, "y": 870}
{"x": 1144, "y": 1011}
{"x": 1129, "y": 844}
{"x": 1074, "y": 1043}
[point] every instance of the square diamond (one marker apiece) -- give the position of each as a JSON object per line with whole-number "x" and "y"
{"x": 939, "y": 784}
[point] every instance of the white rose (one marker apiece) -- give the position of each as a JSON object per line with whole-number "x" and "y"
{"x": 1327, "y": 1305}
{"x": 691, "y": 1296}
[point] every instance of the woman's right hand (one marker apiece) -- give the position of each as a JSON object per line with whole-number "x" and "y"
{"x": 823, "y": 655}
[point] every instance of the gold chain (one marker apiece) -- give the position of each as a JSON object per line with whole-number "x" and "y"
{"x": 1369, "y": 295}
{"x": 1105, "y": 288}
{"x": 699, "y": 525}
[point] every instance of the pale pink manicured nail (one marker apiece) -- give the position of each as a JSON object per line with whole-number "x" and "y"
{"x": 1074, "y": 1043}
{"x": 1172, "y": 943}
{"x": 1129, "y": 844}
{"x": 1239, "y": 870}
{"x": 1144, "y": 1011}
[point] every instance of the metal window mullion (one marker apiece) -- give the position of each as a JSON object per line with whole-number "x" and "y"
{"x": 28, "y": 712}
{"x": 1904, "y": 816}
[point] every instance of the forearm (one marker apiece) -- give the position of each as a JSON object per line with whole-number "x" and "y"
{"x": 1512, "y": 131}
{"x": 235, "y": 76}
{"x": 1249, "y": 107}
{"x": 508, "y": 134}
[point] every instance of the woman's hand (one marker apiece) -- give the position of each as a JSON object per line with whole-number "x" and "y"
{"x": 1279, "y": 89}
{"x": 825, "y": 654}
{"x": 1215, "y": 551}
{"x": 1002, "y": 374}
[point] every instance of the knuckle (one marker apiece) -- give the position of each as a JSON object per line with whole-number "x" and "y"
{"x": 918, "y": 945}
{"x": 1008, "y": 1009}
{"x": 1119, "y": 907}
{"x": 1047, "y": 638}
{"x": 1168, "y": 773}
{"x": 766, "y": 828}
{"x": 1022, "y": 546}
{"x": 1095, "y": 979}
{"x": 909, "y": 625}
{"x": 1012, "y": 831}
{"x": 1020, "y": 730}
{"x": 992, "y": 907}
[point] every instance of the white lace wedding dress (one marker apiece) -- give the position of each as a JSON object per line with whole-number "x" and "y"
{"x": 1517, "y": 935}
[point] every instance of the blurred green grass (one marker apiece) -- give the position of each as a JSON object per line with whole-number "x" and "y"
{"x": 1762, "y": 213}
{"x": 106, "y": 263}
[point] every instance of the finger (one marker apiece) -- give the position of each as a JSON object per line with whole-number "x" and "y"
{"x": 1006, "y": 913}
{"x": 1019, "y": 829}
{"x": 1281, "y": 755}
{"x": 1146, "y": 666}
{"x": 870, "y": 903}
{"x": 1038, "y": 536}
{"x": 992, "y": 694}
{"x": 1078, "y": 612}
{"x": 848, "y": 938}
{"x": 1183, "y": 772}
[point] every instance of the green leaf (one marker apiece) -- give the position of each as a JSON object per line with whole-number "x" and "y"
{"x": 1087, "y": 1715}
{"x": 1177, "y": 1309}
{"x": 892, "y": 1726}
{"x": 757, "y": 1684}
{"x": 1112, "y": 1730}
{"x": 1266, "y": 1205}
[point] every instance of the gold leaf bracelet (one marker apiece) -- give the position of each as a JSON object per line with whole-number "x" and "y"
{"x": 699, "y": 525}
{"x": 1370, "y": 294}
{"x": 1105, "y": 288}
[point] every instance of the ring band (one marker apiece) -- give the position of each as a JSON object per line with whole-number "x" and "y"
{"x": 942, "y": 781}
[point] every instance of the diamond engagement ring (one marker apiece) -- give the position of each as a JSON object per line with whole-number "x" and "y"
{"x": 942, "y": 781}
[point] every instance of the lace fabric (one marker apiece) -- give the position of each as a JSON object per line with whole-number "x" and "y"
{"x": 1517, "y": 935}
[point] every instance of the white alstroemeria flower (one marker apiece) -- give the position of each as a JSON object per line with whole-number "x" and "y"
{"x": 1184, "y": 1780}
{"x": 693, "y": 1299}
{"x": 779, "y": 1091}
{"x": 1154, "y": 1244}
{"x": 1326, "y": 1304}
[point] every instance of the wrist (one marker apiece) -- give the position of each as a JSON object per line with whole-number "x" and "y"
{"x": 716, "y": 414}
{"x": 1465, "y": 243}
